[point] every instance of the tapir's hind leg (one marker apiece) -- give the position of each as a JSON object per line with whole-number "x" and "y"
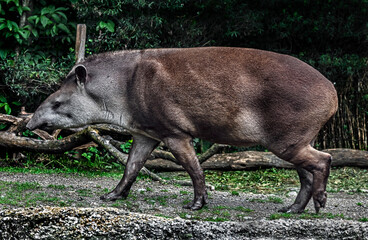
{"x": 304, "y": 195}
{"x": 318, "y": 164}
{"x": 183, "y": 150}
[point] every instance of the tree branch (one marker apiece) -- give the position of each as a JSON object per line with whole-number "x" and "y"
{"x": 93, "y": 133}
{"x": 10, "y": 140}
{"x": 164, "y": 155}
{"x": 210, "y": 152}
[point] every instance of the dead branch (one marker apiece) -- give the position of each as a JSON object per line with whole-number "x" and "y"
{"x": 43, "y": 134}
{"x": 215, "y": 148}
{"x": 4, "y": 118}
{"x": 164, "y": 155}
{"x": 12, "y": 141}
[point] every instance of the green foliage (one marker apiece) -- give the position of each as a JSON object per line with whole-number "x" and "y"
{"x": 200, "y": 145}
{"x": 51, "y": 21}
{"x": 93, "y": 159}
{"x": 31, "y": 27}
{"x": 9, "y": 28}
{"x": 96, "y": 159}
{"x": 126, "y": 146}
{"x": 109, "y": 25}
{"x": 31, "y": 77}
{"x": 5, "y": 106}
{"x": 33, "y": 41}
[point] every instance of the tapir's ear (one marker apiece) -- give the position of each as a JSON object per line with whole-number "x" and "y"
{"x": 81, "y": 74}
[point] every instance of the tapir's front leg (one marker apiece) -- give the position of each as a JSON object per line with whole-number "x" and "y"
{"x": 141, "y": 149}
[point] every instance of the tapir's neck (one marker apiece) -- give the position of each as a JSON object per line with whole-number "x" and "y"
{"x": 112, "y": 114}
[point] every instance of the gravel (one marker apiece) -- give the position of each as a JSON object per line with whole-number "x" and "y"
{"x": 154, "y": 211}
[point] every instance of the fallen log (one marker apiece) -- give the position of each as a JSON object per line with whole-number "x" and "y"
{"x": 254, "y": 160}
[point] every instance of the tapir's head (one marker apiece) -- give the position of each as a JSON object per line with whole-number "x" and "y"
{"x": 71, "y": 106}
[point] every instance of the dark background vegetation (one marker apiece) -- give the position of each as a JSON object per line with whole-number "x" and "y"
{"x": 37, "y": 43}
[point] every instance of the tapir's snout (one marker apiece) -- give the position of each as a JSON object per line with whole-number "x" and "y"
{"x": 37, "y": 122}
{"x": 31, "y": 125}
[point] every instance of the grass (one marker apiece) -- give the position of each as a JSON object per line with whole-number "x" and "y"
{"x": 70, "y": 171}
{"x": 347, "y": 178}
{"x": 216, "y": 214}
{"x": 127, "y": 204}
{"x": 235, "y": 193}
{"x": 161, "y": 200}
{"x": 58, "y": 187}
{"x": 279, "y": 181}
{"x": 276, "y": 181}
{"x": 276, "y": 216}
{"x": 26, "y": 194}
{"x": 85, "y": 192}
{"x": 259, "y": 181}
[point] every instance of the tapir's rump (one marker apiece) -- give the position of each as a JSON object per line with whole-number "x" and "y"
{"x": 227, "y": 95}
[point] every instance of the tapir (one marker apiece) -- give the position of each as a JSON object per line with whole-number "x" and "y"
{"x": 234, "y": 96}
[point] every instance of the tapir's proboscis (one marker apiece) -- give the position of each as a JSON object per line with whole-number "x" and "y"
{"x": 234, "y": 96}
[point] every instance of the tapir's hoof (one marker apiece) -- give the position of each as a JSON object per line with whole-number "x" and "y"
{"x": 319, "y": 199}
{"x": 295, "y": 208}
{"x": 111, "y": 196}
{"x": 197, "y": 203}
{"x": 194, "y": 207}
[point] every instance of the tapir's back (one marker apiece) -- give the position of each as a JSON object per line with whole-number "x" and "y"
{"x": 231, "y": 95}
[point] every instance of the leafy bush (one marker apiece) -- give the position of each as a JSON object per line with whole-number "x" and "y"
{"x": 6, "y": 107}
{"x": 32, "y": 77}
{"x": 40, "y": 28}
{"x": 33, "y": 50}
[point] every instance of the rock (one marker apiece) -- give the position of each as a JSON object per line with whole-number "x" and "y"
{"x": 112, "y": 223}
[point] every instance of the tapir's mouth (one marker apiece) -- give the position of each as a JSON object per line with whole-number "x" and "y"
{"x": 44, "y": 126}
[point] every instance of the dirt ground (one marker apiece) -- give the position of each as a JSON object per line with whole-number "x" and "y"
{"x": 166, "y": 201}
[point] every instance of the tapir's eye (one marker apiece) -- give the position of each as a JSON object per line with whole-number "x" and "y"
{"x": 56, "y": 105}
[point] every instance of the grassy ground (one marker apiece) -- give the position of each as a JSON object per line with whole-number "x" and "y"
{"x": 281, "y": 180}
{"x": 236, "y": 185}
{"x": 258, "y": 181}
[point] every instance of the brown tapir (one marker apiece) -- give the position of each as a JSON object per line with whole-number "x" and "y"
{"x": 232, "y": 96}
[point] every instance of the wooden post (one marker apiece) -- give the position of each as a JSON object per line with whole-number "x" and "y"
{"x": 80, "y": 42}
